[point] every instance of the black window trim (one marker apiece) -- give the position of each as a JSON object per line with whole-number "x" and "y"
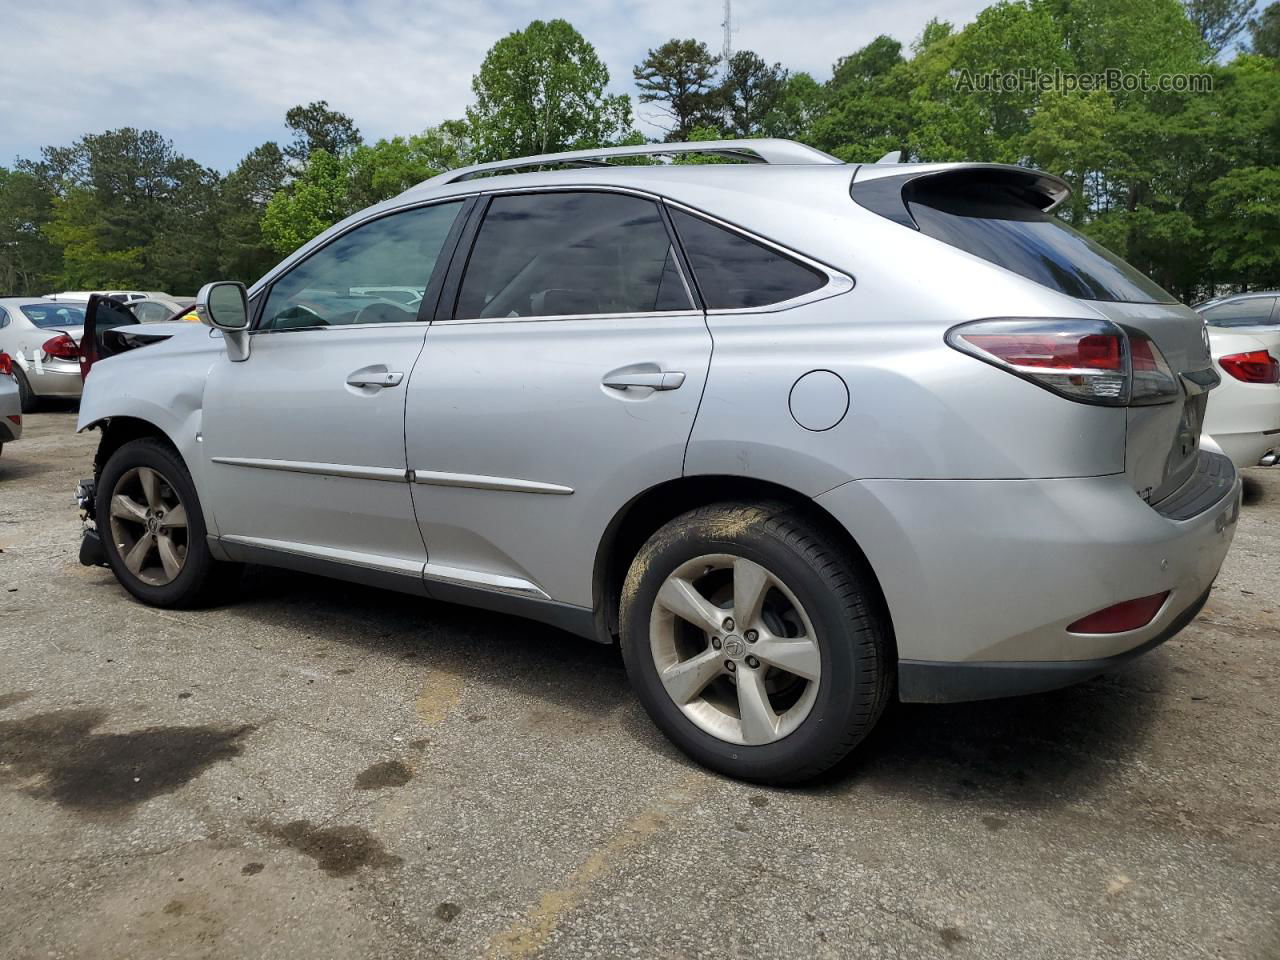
{"x": 426, "y": 307}
{"x": 447, "y": 312}
{"x": 838, "y": 281}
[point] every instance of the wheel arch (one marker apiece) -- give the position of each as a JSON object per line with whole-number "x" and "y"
{"x": 119, "y": 430}
{"x": 641, "y": 516}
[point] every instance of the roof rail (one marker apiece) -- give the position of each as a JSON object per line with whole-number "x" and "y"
{"x": 764, "y": 150}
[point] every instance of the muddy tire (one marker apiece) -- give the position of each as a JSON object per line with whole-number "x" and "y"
{"x": 152, "y": 528}
{"x": 755, "y": 641}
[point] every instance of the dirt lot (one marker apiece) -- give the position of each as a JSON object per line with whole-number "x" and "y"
{"x": 319, "y": 770}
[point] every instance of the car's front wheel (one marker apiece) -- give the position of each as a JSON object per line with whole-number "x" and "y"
{"x": 754, "y": 641}
{"x": 152, "y": 528}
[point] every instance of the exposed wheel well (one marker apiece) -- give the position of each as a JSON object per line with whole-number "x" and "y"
{"x": 645, "y": 513}
{"x": 117, "y": 431}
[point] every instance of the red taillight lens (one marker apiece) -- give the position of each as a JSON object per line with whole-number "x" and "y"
{"x": 1085, "y": 360}
{"x": 6, "y": 364}
{"x": 1153, "y": 381}
{"x": 16, "y": 418}
{"x": 61, "y": 347}
{"x": 1256, "y": 366}
{"x": 1122, "y": 617}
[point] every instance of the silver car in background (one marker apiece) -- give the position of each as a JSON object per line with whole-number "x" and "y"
{"x": 43, "y": 338}
{"x": 802, "y": 436}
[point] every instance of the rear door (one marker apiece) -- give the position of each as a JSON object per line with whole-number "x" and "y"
{"x": 560, "y": 380}
{"x": 304, "y": 440}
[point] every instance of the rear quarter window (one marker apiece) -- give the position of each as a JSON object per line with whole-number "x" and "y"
{"x": 735, "y": 272}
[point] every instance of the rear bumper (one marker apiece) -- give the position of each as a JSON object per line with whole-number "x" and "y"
{"x": 924, "y": 681}
{"x": 1246, "y": 449}
{"x": 986, "y": 575}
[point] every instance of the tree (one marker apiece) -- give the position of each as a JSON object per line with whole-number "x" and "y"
{"x": 542, "y": 90}
{"x": 316, "y": 127}
{"x": 244, "y": 254}
{"x": 680, "y": 78}
{"x": 312, "y": 203}
{"x": 29, "y": 260}
{"x": 751, "y": 90}
{"x": 392, "y": 166}
{"x": 1264, "y": 31}
{"x": 868, "y": 112}
{"x": 1244, "y": 226}
{"x": 794, "y": 113}
{"x": 1219, "y": 22}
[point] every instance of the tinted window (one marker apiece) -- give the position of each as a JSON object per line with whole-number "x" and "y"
{"x": 992, "y": 222}
{"x": 557, "y": 254}
{"x": 152, "y": 312}
{"x": 399, "y": 251}
{"x": 1254, "y": 312}
{"x": 734, "y": 272}
{"x": 54, "y": 314}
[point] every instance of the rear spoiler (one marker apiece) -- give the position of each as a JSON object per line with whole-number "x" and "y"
{"x": 889, "y": 195}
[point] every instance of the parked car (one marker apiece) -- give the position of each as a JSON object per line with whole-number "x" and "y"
{"x": 155, "y": 309}
{"x": 1257, "y": 309}
{"x": 1243, "y": 417}
{"x": 945, "y": 448}
{"x": 43, "y": 338}
{"x": 10, "y": 403}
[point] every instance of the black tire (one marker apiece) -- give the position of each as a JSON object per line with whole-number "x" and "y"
{"x": 26, "y": 398}
{"x": 201, "y": 575}
{"x": 840, "y": 600}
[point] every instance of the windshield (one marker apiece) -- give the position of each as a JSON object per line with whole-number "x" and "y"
{"x": 996, "y": 224}
{"x": 54, "y": 314}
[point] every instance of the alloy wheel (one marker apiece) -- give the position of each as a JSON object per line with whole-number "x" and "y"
{"x": 149, "y": 526}
{"x": 734, "y": 649}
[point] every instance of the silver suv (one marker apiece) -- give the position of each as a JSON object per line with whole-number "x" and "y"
{"x": 802, "y": 436}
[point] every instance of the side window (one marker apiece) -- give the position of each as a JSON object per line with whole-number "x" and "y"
{"x": 4, "y": 318}
{"x": 734, "y": 272}
{"x": 1252, "y": 312}
{"x": 340, "y": 283}
{"x": 558, "y": 254}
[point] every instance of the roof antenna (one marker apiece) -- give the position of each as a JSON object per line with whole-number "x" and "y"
{"x": 893, "y": 156}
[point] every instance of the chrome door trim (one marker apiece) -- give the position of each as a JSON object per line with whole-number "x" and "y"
{"x": 651, "y": 314}
{"x": 439, "y": 478}
{"x": 369, "y": 561}
{"x": 349, "y": 471}
{"x": 498, "y": 583}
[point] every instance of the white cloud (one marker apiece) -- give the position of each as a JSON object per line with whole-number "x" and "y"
{"x": 217, "y": 75}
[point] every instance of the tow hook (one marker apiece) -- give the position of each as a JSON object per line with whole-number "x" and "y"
{"x": 91, "y": 552}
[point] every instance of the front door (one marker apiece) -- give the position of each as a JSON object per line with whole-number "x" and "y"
{"x": 304, "y": 440}
{"x": 563, "y": 381}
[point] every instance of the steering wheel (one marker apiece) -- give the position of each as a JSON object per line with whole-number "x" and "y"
{"x": 381, "y": 308}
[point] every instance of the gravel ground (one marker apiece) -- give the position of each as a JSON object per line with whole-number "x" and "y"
{"x": 321, "y": 770}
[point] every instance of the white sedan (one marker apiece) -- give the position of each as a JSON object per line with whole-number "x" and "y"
{"x": 1243, "y": 416}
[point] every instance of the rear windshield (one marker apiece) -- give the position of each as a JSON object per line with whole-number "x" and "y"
{"x": 54, "y": 315}
{"x": 1253, "y": 312}
{"x": 994, "y": 223}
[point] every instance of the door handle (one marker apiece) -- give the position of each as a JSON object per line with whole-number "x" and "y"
{"x": 372, "y": 378}
{"x": 662, "y": 380}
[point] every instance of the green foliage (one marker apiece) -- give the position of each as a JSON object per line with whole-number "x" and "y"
{"x": 542, "y": 90}
{"x": 29, "y": 259}
{"x": 1219, "y": 22}
{"x": 316, "y": 200}
{"x": 1244, "y": 225}
{"x": 750, "y": 92}
{"x": 1264, "y": 32}
{"x": 247, "y": 190}
{"x": 316, "y": 127}
{"x": 679, "y": 78}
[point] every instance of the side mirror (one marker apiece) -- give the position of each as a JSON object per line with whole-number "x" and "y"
{"x": 226, "y": 304}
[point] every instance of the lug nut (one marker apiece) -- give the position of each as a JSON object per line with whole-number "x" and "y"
{"x": 730, "y": 666}
{"x": 728, "y": 623}
{"x": 716, "y": 643}
{"x": 751, "y": 636}
{"x": 752, "y": 662}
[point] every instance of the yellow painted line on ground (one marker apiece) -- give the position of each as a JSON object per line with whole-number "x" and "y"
{"x": 527, "y": 937}
{"x": 440, "y": 694}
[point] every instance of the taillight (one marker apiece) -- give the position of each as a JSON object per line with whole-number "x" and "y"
{"x": 6, "y": 364}
{"x": 62, "y": 347}
{"x": 1256, "y": 366}
{"x": 1122, "y": 617}
{"x": 1091, "y": 361}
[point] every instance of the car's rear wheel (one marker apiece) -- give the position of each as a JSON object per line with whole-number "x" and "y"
{"x": 754, "y": 641}
{"x": 26, "y": 398}
{"x": 152, "y": 528}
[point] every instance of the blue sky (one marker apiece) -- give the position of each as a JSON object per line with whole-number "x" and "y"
{"x": 216, "y": 76}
